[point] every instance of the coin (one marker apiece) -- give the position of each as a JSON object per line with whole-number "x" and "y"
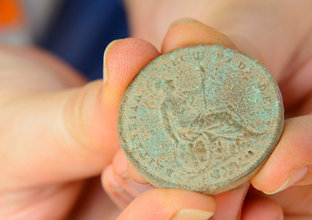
{"x": 201, "y": 118}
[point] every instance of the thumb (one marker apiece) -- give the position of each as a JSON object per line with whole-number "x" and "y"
{"x": 69, "y": 134}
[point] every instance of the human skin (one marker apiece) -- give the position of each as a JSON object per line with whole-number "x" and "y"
{"x": 57, "y": 130}
{"x": 279, "y": 35}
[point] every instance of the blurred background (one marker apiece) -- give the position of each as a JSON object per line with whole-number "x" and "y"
{"x": 75, "y": 30}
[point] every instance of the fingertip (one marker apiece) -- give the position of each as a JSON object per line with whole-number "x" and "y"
{"x": 288, "y": 164}
{"x": 188, "y": 32}
{"x": 114, "y": 189}
{"x": 120, "y": 164}
{"x": 270, "y": 176}
{"x": 170, "y": 204}
{"x": 124, "y": 169}
{"x": 295, "y": 176}
{"x": 108, "y": 179}
{"x": 124, "y": 58}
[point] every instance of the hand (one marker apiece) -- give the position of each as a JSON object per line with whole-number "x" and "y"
{"x": 283, "y": 47}
{"x": 57, "y": 131}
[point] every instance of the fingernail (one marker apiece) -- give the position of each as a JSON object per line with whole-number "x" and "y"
{"x": 192, "y": 214}
{"x": 125, "y": 175}
{"x": 294, "y": 177}
{"x": 120, "y": 191}
{"x": 115, "y": 185}
{"x": 105, "y": 70}
{"x": 181, "y": 21}
{"x": 136, "y": 189}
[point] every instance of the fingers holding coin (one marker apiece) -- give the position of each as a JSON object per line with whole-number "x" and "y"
{"x": 173, "y": 204}
{"x": 290, "y": 163}
{"x": 122, "y": 182}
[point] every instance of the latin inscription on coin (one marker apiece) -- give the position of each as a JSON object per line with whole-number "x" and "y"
{"x": 200, "y": 118}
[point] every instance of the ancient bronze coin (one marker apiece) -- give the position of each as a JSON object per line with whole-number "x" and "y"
{"x": 201, "y": 118}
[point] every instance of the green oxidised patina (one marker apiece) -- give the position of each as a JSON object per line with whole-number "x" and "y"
{"x": 200, "y": 118}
